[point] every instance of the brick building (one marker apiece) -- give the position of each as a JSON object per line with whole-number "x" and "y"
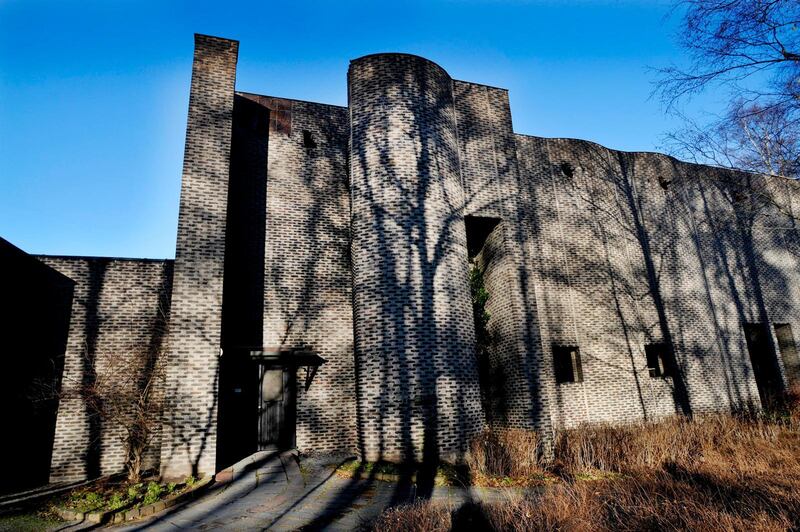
{"x": 320, "y": 292}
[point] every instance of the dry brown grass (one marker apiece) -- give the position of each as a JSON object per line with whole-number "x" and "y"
{"x": 745, "y": 444}
{"x": 415, "y": 516}
{"x": 512, "y": 453}
{"x": 721, "y": 472}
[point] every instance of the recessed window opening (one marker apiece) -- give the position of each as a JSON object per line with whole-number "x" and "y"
{"x": 764, "y": 360}
{"x": 567, "y": 363}
{"x": 788, "y": 350}
{"x": 567, "y": 169}
{"x": 659, "y": 360}
{"x": 308, "y": 140}
{"x": 478, "y": 230}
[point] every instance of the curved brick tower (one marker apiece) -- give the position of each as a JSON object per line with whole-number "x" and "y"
{"x": 418, "y": 391}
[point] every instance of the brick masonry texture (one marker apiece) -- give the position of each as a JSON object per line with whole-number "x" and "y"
{"x": 307, "y": 292}
{"x": 417, "y": 378}
{"x": 639, "y": 248}
{"x": 343, "y": 231}
{"x": 492, "y": 187}
{"x": 119, "y": 306}
{"x": 189, "y": 443}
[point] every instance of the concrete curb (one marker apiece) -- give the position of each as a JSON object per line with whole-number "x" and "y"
{"x": 160, "y": 506}
{"x": 251, "y": 464}
{"x": 121, "y": 516}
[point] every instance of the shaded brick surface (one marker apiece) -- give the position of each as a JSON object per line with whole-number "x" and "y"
{"x": 723, "y": 252}
{"x": 414, "y": 338}
{"x": 307, "y": 279}
{"x": 118, "y": 307}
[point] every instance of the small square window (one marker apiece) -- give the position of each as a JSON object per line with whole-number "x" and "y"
{"x": 567, "y": 363}
{"x": 658, "y": 360}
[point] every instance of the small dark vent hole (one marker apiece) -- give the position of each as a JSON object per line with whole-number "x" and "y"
{"x": 664, "y": 182}
{"x": 567, "y": 169}
{"x": 308, "y": 140}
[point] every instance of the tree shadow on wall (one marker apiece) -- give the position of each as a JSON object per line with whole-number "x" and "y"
{"x": 112, "y": 359}
{"x": 411, "y": 294}
{"x": 191, "y": 401}
{"x": 621, "y": 192}
{"x": 744, "y": 221}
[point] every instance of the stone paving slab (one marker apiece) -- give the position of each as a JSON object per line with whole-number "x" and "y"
{"x": 274, "y": 495}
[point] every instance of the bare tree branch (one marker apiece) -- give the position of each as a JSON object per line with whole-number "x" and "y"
{"x": 751, "y": 49}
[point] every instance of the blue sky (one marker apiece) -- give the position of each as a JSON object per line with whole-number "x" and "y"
{"x": 93, "y": 95}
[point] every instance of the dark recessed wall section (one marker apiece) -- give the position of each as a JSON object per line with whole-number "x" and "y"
{"x": 659, "y": 360}
{"x": 764, "y": 361}
{"x": 243, "y": 285}
{"x": 567, "y": 364}
{"x": 35, "y": 303}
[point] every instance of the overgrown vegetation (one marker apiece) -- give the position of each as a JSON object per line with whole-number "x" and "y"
{"x": 481, "y": 316}
{"x": 30, "y": 522}
{"x": 123, "y": 392}
{"x": 483, "y": 340}
{"x": 111, "y": 496}
{"x": 507, "y": 457}
{"x": 722, "y": 472}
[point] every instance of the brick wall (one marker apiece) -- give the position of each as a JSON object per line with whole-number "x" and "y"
{"x": 492, "y": 186}
{"x": 189, "y": 444}
{"x": 307, "y": 298}
{"x": 636, "y": 248}
{"x": 119, "y": 308}
{"x": 414, "y": 339}
{"x": 341, "y": 230}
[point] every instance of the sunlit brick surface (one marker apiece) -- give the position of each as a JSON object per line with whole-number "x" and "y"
{"x": 353, "y": 246}
{"x": 189, "y": 442}
{"x": 417, "y": 373}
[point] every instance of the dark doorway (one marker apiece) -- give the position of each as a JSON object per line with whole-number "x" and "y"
{"x": 238, "y": 414}
{"x": 256, "y": 406}
{"x": 276, "y": 407}
{"x": 764, "y": 361}
{"x": 243, "y": 283}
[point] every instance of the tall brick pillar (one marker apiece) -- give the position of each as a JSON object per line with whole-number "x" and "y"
{"x": 190, "y": 433}
{"x": 417, "y": 380}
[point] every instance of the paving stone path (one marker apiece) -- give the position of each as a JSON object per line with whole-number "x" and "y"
{"x": 272, "y": 492}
